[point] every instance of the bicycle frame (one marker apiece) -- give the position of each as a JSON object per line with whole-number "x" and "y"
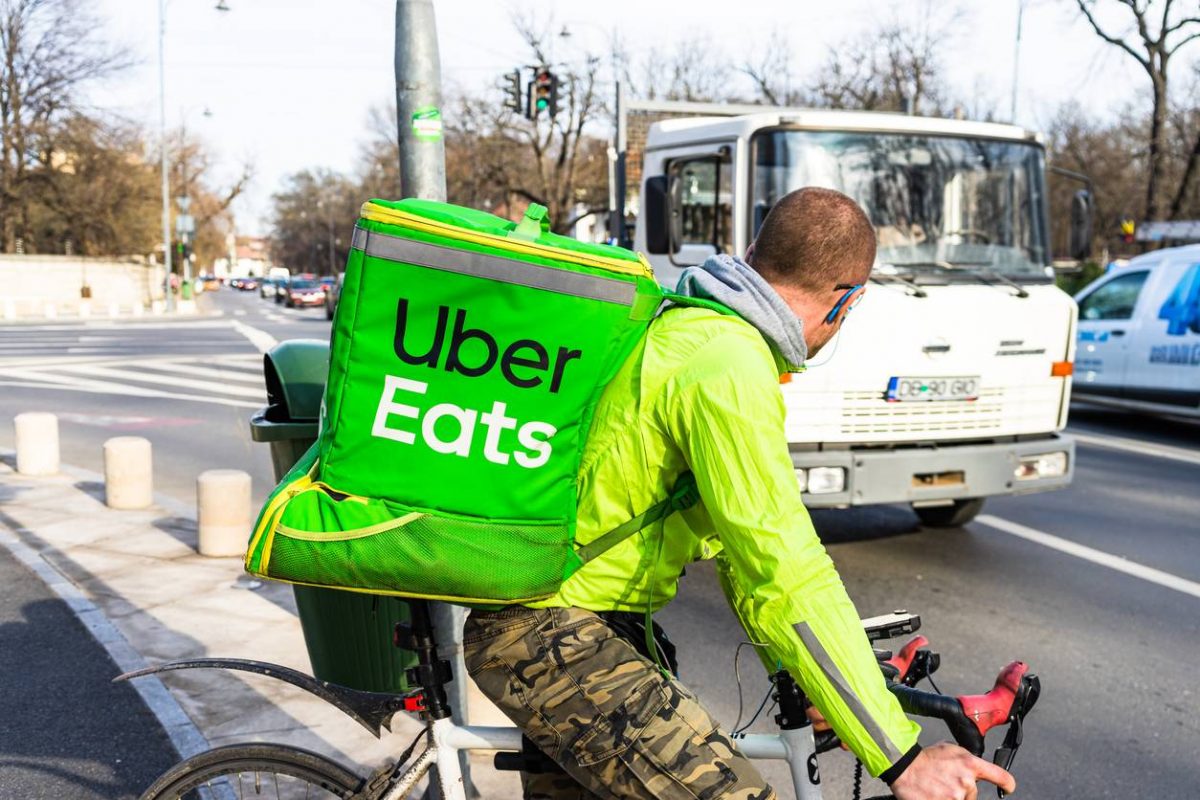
{"x": 796, "y": 746}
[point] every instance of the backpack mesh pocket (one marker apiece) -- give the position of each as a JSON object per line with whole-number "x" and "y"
{"x": 430, "y": 556}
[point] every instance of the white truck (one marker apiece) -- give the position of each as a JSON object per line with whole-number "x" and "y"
{"x": 952, "y": 381}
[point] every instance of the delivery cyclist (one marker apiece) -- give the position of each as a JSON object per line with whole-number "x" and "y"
{"x": 701, "y": 393}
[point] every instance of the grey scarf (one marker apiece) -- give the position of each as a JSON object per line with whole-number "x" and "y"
{"x": 733, "y": 283}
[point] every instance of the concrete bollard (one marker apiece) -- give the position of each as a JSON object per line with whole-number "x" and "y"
{"x": 37, "y": 443}
{"x": 10, "y": 309}
{"x": 114, "y": 309}
{"x": 128, "y": 473}
{"x": 50, "y": 311}
{"x": 223, "y": 512}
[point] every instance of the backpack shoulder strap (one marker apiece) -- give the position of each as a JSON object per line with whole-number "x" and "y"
{"x": 697, "y": 302}
{"x": 684, "y": 495}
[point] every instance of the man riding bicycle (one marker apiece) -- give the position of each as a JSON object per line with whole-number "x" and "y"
{"x": 700, "y": 393}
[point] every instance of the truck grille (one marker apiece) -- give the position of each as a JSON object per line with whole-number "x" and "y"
{"x": 868, "y": 413}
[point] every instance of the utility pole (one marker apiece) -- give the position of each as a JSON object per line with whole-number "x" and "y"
{"x": 1012, "y": 112}
{"x": 419, "y": 102}
{"x": 423, "y": 175}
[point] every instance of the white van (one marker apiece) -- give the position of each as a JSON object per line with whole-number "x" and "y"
{"x": 1139, "y": 335}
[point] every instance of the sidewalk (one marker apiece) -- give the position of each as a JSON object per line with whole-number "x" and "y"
{"x": 142, "y": 572}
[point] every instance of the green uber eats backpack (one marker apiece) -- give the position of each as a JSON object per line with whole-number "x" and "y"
{"x": 468, "y": 353}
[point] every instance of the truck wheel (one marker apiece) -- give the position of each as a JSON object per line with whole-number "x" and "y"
{"x": 954, "y": 516}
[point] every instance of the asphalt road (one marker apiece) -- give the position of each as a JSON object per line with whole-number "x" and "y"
{"x": 1119, "y": 714}
{"x": 66, "y": 731}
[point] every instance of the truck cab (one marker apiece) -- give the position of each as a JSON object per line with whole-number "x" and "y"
{"x": 951, "y": 382}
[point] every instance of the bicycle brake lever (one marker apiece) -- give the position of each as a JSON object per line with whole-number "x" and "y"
{"x": 1006, "y": 753}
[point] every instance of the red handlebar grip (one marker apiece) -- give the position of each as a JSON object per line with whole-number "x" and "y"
{"x": 992, "y": 709}
{"x": 904, "y": 658}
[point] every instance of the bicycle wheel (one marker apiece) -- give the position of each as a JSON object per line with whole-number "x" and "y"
{"x": 263, "y": 771}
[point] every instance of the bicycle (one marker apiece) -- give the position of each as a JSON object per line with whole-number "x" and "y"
{"x": 222, "y": 770}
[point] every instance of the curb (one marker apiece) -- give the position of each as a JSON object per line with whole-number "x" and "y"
{"x": 183, "y": 734}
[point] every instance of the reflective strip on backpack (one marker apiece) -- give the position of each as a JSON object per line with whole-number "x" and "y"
{"x": 496, "y": 268}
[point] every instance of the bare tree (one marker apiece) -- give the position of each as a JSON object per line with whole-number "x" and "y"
{"x": 771, "y": 73}
{"x": 48, "y": 51}
{"x": 1187, "y": 124}
{"x": 1157, "y": 35}
{"x": 694, "y": 69}
{"x": 894, "y": 67}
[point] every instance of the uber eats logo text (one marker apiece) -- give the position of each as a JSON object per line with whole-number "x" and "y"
{"x": 453, "y": 429}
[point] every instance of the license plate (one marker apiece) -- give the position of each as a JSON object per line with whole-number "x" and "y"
{"x": 925, "y": 390}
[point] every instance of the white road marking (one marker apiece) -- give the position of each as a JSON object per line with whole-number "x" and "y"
{"x": 1099, "y": 557}
{"x": 113, "y": 326}
{"x": 67, "y": 384}
{"x": 1135, "y": 446}
{"x": 202, "y": 372}
{"x": 260, "y": 339}
{"x": 165, "y": 380}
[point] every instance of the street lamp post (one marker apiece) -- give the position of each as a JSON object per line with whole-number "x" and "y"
{"x": 162, "y": 143}
{"x": 168, "y": 300}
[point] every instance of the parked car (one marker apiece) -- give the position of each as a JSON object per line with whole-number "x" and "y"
{"x": 303, "y": 292}
{"x": 270, "y": 287}
{"x": 1138, "y": 345}
{"x": 210, "y": 282}
{"x": 333, "y": 293}
{"x": 249, "y": 284}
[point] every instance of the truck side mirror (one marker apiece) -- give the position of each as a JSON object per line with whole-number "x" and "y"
{"x": 1081, "y": 225}
{"x": 656, "y": 215}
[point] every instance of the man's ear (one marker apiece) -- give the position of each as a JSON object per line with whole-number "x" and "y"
{"x": 750, "y": 254}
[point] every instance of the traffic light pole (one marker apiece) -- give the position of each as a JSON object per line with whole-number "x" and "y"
{"x": 423, "y": 174}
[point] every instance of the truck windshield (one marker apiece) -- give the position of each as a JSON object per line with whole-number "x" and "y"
{"x": 937, "y": 202}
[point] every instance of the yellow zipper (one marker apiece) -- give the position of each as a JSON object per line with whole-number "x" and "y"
{"x": 448, "y": 598}
{"x": 390, "y": 216}
{"x": 354, "y": 533}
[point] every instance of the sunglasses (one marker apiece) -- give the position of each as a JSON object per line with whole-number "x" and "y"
{"x": 850, "y": 290}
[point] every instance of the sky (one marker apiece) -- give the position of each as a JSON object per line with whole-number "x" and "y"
{"x": 288, "y": 83}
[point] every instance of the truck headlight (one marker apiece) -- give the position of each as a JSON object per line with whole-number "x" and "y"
{"x": 826, "y": 480}
{"x": 1046, "y": 465}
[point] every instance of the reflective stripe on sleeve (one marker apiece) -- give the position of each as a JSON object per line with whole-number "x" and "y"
{"x": 839, "y": 683}
{"x": 492, "y": 267}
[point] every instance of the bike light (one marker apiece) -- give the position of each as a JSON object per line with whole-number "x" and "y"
{"x": 1046, "y": 465}
{"x": 826, "y": 480}
{"x": 802, "y": 479}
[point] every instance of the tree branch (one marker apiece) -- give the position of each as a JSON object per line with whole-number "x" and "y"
{"x": 1121, "y": 43}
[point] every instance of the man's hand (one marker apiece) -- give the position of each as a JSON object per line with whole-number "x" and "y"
{"x": 947, "y": 772}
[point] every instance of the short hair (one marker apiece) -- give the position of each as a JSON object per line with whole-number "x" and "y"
{"x": 814, "y": 239}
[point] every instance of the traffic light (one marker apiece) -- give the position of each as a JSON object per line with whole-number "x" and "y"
{"x": 543, "y": 93}
{"x": 512, "y": 90}
{"x": 1128, "y": 228}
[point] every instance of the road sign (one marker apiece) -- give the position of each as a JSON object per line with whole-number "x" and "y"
{"x": 183, "y": 203}
{"x": 185, "y": 223}
{"x": 1178, "y": 231}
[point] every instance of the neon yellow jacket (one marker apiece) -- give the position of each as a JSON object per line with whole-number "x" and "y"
{"x": 701, "y": 392}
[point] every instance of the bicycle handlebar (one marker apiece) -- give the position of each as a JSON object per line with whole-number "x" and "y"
{"x": 968, "y": 717}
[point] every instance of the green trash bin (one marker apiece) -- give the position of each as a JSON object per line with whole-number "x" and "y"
{"x": 348, "y": 635}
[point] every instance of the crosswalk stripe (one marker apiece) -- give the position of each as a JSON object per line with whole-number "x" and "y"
{"x": 167, "y": 380}
{"x": 66, "y": 384}
{"x": 204, "y": 372}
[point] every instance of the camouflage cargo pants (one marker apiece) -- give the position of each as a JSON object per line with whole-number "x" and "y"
{"x": 606, "y": 714}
